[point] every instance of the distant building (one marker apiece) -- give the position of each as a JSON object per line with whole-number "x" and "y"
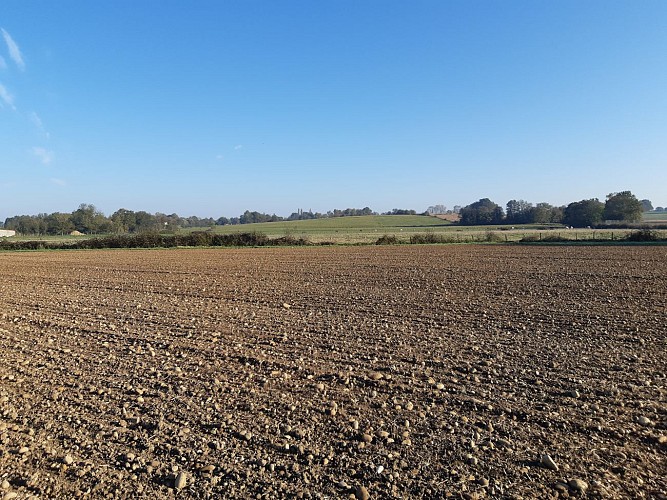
{"x": 6, "y": 233}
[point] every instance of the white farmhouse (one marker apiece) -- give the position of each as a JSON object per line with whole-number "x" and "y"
{"x": 4, "y": 233}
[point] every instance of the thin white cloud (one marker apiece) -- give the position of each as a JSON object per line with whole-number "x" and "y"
{"x": 3, "y": 63}
{"x": 37, "y": 122}
{"x": 238, "y": 146}
{"x": 44, "y": 155}
{"x": 6, "y": 96}
{"x": 219, "y": 157}
{"x": 58, "y": 182}
{"x": 14, "y": 51}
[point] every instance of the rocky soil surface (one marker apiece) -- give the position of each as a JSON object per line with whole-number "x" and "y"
{"x": 361, "y": 372}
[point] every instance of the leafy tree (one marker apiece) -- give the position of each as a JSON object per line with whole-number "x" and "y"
{"x": 88, "y": 219}
{"x": 401, "y": 211}
{"x": 253, "y": 217}
{"x": 123, "y": 220}
{"x": 481, "y": 212}
{"x": 584, "y": 213}
{"x": 350, "y": 212}
{"x": 623, "y": 206}
{"x": 27, "y": 224}
{"x": 59, "y": 223}
{"x": 647, "y": 205}
{"x": 544, "y": 213}
{"x": 519, "y": 212}
{"x": 144, "y": 222}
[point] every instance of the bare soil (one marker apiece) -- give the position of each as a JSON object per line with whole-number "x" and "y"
{"x": 389, "y": 372}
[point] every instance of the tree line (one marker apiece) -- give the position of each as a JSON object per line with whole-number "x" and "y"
{"x": 623, "y": 207}
{"x": 87, "y": 219}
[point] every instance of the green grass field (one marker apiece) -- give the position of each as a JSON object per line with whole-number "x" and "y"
{"x": 367, "y": 229}
{"x": 655, "y": 217}
{"x": 343, "y": 229}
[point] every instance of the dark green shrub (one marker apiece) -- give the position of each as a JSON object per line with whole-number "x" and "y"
{"x": 289, "y": 240}
{"x": 493, "y": 237}
{"x": 643, "y": 235}
{"x": 426, "y": 238}
{"x": 387, "y": 239}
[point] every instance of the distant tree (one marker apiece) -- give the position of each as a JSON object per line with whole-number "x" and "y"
{"x": 519, "y": 212}
{"x": 302, "y": 215}
{"x": 59, "y": 223}
{"x": 623, "y": 206}
{"x": 144, "y": 222}
{"x": 584, "y": 213}
{"x": 249, "y": 217}
{"x": 646, "y": 205}
{"x": 222, "y": 221}
{"x": 436, "y": 210}
{"x": 123, "y": 220}
{"x": 27, "y": 224}
{"x": 481, "y": 212}
{"x": 659, "y": 209}
{"x": 400, "y": 211}
{"x": 87, "y": 219}
{"x": 350, "y": 212}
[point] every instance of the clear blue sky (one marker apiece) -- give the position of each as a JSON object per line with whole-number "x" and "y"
{"x": 210, "y": 108}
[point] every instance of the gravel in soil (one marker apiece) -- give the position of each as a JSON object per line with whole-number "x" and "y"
{"x": 360, "y": 372}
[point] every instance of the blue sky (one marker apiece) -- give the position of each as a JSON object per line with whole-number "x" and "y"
{"x": 210, "y": 108}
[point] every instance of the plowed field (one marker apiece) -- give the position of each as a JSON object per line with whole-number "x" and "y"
{"x": 406, "y": 372}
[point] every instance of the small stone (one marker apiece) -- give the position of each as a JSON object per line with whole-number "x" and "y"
{"x": 208, "y": 468}
{"x": 578, "y": 485}
{"x": 181, "y": 480}
{"x": 24, "y": 450}
{"x": 286, "y": 305}
{"x": 361, "y": 493}
{"x": 645, "y": 421}
{"x": 574, "y": 394}
{"x": 5, "y": 485}
{"x": 343, "y": 485}
{"x": 562, "y": 488}
{"x": 68, "y": 460}
{"x": 10, "y": 495}
{"x": 379, "y": 469}
{"x": 503, "y": 443}
{"x": 366, "y": 438}
{"x": 547, "y": 461}
{"x": 483, "y": 482}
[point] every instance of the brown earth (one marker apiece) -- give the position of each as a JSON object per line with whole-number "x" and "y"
{"x": 449, "y": 217}
{"x": 407, "y": 372}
